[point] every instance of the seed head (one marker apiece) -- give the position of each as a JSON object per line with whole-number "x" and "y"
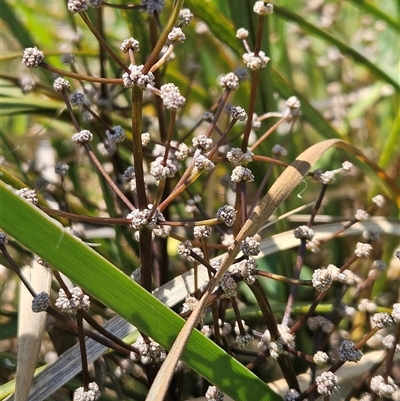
{"x": 82, "y": 137}
{"x": 41, "y": 302}
{"x": 320, "y": 358}
{"x": 255, "y": 62}
{"x": 204, "y": 163}
{"x": 203, "y": 142}
{"x": 176, "y": 35}
{"x": 226, "y": 214}
{"x": 171, "y": 97}
{"x": 130, "y": 44}
{"x": 263, "y": 8}
{"x": 3, "y": 239}
{"x": 214, "y": 394}
{"x": 78, "y": 300}
{"x": 362, "y": 250}
{"x": 160, "y": 170}
{"x": 379, "y": 200}
{"x": 28, "y": 194}
{"x": 229, "y": 81}
{"x": 382, "y": 320}
{"x": 153, "y": 6}
{"x": 241, "y": 173}
{"x": 322, "y": 279}
{"x": 238, "y": 113}
{"x": 327, "y": 383}
{"x": 116, "y": 135}
{"x": 60, "y": 84}
{"x": 76, "y": 6}
{"x": 250, "y": 246}
{"x": 396, "y": 312}
{"x": 92, "y": 394}
{"x": 136, "y": 77}
{"x": 185, "y": 16}
{"x": 348, "y": 352}
{"x": 32, "y": 57}
{"x": 242, "y": 33}
{"x": 304, "y": 232}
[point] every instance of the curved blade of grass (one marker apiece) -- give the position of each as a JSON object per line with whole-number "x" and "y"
{"x": 358, "y": 57}
{"x": 280, "y": 190}
{"x": 101, "y": 279}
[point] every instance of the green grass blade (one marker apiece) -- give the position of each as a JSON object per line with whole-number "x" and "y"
{"x": 47, "y": 238}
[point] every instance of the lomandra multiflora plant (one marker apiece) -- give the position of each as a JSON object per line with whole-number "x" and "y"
{"x": 198, "y": 211}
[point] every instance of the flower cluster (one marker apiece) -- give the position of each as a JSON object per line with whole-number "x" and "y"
{"x": 136, "y": 77}
{"x": 40, "y": 302}
{"x": 28, "y": 194}
{"x": 92, "y": 394}
{"x": 148, "y": 353}
{"x": 78, "y": 300}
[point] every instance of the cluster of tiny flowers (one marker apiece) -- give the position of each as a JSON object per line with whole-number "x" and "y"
{"x": 293, "y": 106}
{"x": 236, "y": 156}
{"x": 227, "y": 214}
{"x": 171, "y": 97}
{"x": 246, "y": 269}
{"x": 148, "y": 354}
{"x": 383, "y": 389}
{"x": 228, "y": 286}
{"x": 322, "y": 279}
{"x": 116, "y": 135}
{"x": 316, "y": 322}
{"x": 77, "y": 6}
{"x": 361, "y": 215}
{"x": 26, "y": 83}
{"x": 189, "y": 304}
{"x": 255, "y": 62}
{"x": 346, "y": 277}
{"x": 362, "y": 250}
{"x": 78, "y": 300}
{"x": 274, "y": 348}
{"x": 369, "y": 235}
{"x": 379, "y": 200}
{"x": 40, "y": 302}
{"x": 28, "y": 194}
{"x": 240, "y": 173}
{"x": 77, "y": 99}
{"x": 229, "y": 81}
{"x": 238, "y": 113}
{"x": 396, "y": 312}
{"x": 185, "y": 16}
{"x": 250, "y": 246}
{"x": 263, "y": 8}
{"x": 243, "y": 340}
{"x": 32, "y": 57}
{"x": 242, "y": 33}
{"x": 176, "y": 35}
{"x": 3, "y": 239}
{"x": 326, "y": 383}
{"x": 202, "y": 142}
{"x": 291, "y": 395}
{"x": 366, "y": 305}
{"x": 202, "y": 231}
{"x": 130, "y": 44}
{"x": 183, "y": 152}
{"x": 140, "y": 218}
{"x": 348, "y": 352}
{"x": 82, "y": 137}
{"x": 389, "y": 341}
{"x": 304, "y": 232}
{"x": 136, "y": 77}
{"x": 92, "y": 394}
{"x": 204, "y": 163}
{"x": 382, "y": 320}
{"x": 61, "y": 169}
{"x": 160, "y": 170}
{"x": 60, "y": 84}
{"x": 185, "y": 249}
{"x": 279, "y": 150}
{"x": 214, "y": 394}
{"x": 320, "y": 358}
{"x": 145, "y": 137}
{"x": 224, "y": 328}
{"x": 153, "y": 6}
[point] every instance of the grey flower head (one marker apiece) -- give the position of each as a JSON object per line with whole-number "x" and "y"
{"x": 61, "y": 169}
{"x": 176, "y": 35}
{"x": 304, "y": 232}
{"x": 263, "y": 8}
{"x": 116, "y": 135}
{"x": 227, "y": 214}
{"x": 136, "y": 77}
{"x": 242, "y": 33}
{"x": 32, "y": 57}
{"x": 204, "y": 163}
{"x": 229, "y": 81}
{"x": 348, "y": 352}
{"x": 153, "y": 6}
{"x": 77, "y": 99}
{"x": 76, "y": 6}
{"x": 60, "y": 84}
{"x": 28, "y": 194}
{"x": 322, "y": 279}
{"x": 255, "y": 62}
{"x": 130, "y": 44}
{"x": 214, "y": 394}
{"x": 78, "y": 300}
{"x": 185, "y": 16}
{"x": 41, "y": 302}
{"x": 3, "y": 239}
{"x": 149, "y": 353}
{"x": 327, "y": 383}
{"x": 238, "y": 113}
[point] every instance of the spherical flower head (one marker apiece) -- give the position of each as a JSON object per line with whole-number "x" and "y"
{"x": 242, "y": 33}
{"x": 291, "y": 395}
{"x": 293, "y": 103}
{"x": 348, "y": 352}
{"x": 316, "y": 322}
{"x": 78, "y": 300}
{"x": 226, "y": 214}
{"x": 396, "y": 312}
{"x": 148, "y": 353}
{"x": 382, "y": 388}
{"x": 347, "y": 166}
{"x": 95, "y": 3}
{"x": 61, "y": 169}
{"x": 185, "y": 16}
{"x": 136, "y": 77}
{"x": 184, "y": 250}
{"x": 26, "y": 83}
{"x": 250, "y": 246}
{"x": 263, "y": 8}
{"x": 32, "y": 57}
{"x": 326, "y": 383}
{"x": 202, "y": 231}
{"x": 190, "y": 304}
{"x": 116, "y": 135}
{"x": 3, "y": 239}
{"x": 60, "y": 84}
{"x": 304, "y": 232}
{"x": 40, "y": 302}
{"x": 176, "y": 35}
{"x": 255, "y": 62}
{"x": 361, "y": 215}
{"x": 228, "y": 286}
{"x": 279, "y": 150}
{"x": 244, "y": 341}
{"x": 382, "y": 320}
{"x": 171, "y": 97}
{"x": 77, "y": 99}
{"x": 28, "y": 194}
{"x": 130, "y": 44}
{"x": 214, "y": 394}
{"x": 68, "y": 58}
{"x": 203, "y": 142}
{"x": 229, "y": 81}
{"x": 235, "y": 156}
{"x": 77, "y": 6}
{"x": 320, "y": 358}
{"x": 153, "y": 6}
{"x": 362, "y": 250}
{"x": 183, "y": 152}
{"x": 92, "y": 394}
{"x": 82, "y": 137}
{"x": 160, "y": 170}
{"x": 379, "y": 200}
{"x": 140, "y": 218}
{"x": 238, "y": 113}
{"x": 322, "y": 279}
{"x": 241, "y": 173}
{"x": 204, "y": 163}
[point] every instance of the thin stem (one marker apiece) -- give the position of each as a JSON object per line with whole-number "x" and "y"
{"x": 82, "y": 347}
